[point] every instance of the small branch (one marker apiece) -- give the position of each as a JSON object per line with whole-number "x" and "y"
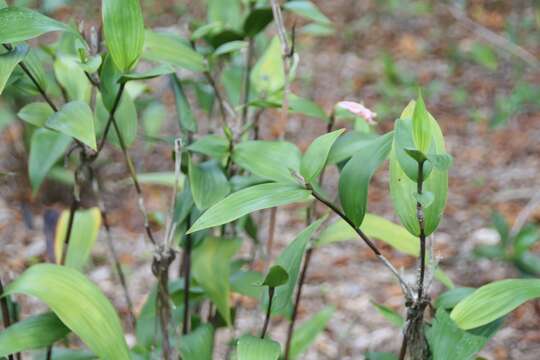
{"x": 116, "y": 103}
{"x": 420, "y": 216}
{"x": 5, "y": 312}
{"x": 268, "y": 311}
{"x": 187, "y": 280}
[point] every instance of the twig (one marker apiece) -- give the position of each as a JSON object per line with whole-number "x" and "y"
{"x": 271, "y": 290}
{"x": 5, "y": 312}
{"x": 187, "y": 280}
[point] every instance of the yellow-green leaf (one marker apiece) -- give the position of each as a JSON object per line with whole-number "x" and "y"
{"x": 253, "y": 348}
{"x": 76, "y": 120}
{"x": 20, "y": 24}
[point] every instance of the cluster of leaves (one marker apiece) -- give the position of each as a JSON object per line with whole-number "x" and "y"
{"x": 226, "y": 177}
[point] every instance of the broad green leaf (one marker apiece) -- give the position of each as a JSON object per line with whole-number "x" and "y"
{"x": 253, "y": 348}
{"x": 20, "y": 24}
{"x": 34, "y": 65}
{"x": 72, "y": 78}
{"x": 306, "y": 333}
{"x": 227, "y": 13}
{"x": 208, "y": 183}
{"x": 272, "y": 160}
{"x": 149, "y": 74}
{"x": 36, "y": 113}
{"x": 244, "y": 282}
{"x": 448, "y": 342}
{"x": 425, "y": 198}
{"x": 389, "y": 314}
{"x": 125, "y": 117}
{"x": 298, "y": 105}
{"x": 440, "y": 161}
{"x": 317, "y": 29}
{"x": 32, "y": 333}
{"x": 8, "y": 62}
{"x": 230, "y": 47}
{"x": 452, "y": 297}
{"x": 267, "y": 75}
{"x": 350, "y": 143}
{"x": 276, "y": 276}
{"x": 110, "y": 84}
{"x": 306, "y": 9}
{"x": 356, "y": 175}
{"x": 406, "y": 153}
{"x": 83, "y": 236}
{"x": 214, "y": 146}
{"x": 421, "y": 126}
{"x": 257, "y": 20}
{"x": 416, "y": 155}
{"x": 291, "y": 260}
{"x": 314, "y": 160}
{"x": 402, "y": 188}
{"x": 248, "y": 200}
{"x": 211, "y": 269}
{"x": 186, "y": 119}
{"x": 76, "y": 120}
{"x": 167, "y": 48}
{"x": 123, "y": 27}
{"x": 493, "y": 301}
{"x": 199, "y": 344}
{"x": 46, "y": 147}
{"x": 79, "y": 304}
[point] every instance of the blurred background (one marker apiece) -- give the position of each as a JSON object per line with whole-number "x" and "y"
{"x": 478, "y": 63}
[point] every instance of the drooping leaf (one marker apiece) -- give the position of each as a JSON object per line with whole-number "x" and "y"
{"x": 32, "y": 333}
{"x": 199, "y": 344}
{"x": 46, "y": 147}
{"x": 20, "y": 24}
{"x": 306, "y": 333}
{"x": 83, "y": 236}
{"x": 72, "y": 78}
{"x": 447, "y": 341}
{"x": 149, "y": 74}
{"x": 212, "y": 145}
{"x": 123, "y": 27}
{"x": 421, "y": 126}
{"x": 257, "y": 20}
{"x": 356, "y": 175}
{"x": 276, "y": 276}
{"x": 291, "y": 259}
{"x": 267, "y": 75}
{"x": 79, "y": 304}
{"x": 253, "y": 348}
{"x": 248, "y": 200}
{"x": 186, "y": 119}
{"x": 272, "y": 160}
{"x": 493, "y": 301}
{"x": 314, "y": 159}
{"x": 211, "y": 269}
{"x": 306, "y": 9}
{"x": 36, "y": 113}
{"x": 167, "y": 48}
{"x": 8, "y": 62}
{"x": 75, "y": 119}
{"x": 208, "y": 183}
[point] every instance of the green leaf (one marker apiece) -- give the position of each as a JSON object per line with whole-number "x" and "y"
{"x": 493, "y": 301}
{"x": 349, "y": 144}
{"x": 248, "y": 200}
{"x": 76, "y": 120}
{"x": 149, "y": 74}
{"x": 36, "y": 113}
{"x": 291, "y": 260}
{"x": 227, "y": 13}
{"x": 425, "y": 199}
{"x": 186, "y": 119}
{"x": 389, "y": 314}
{"x": 257, "y": 20}
{"x": 317, "y": 29}
{"x": 211, "y": 269}
{"x": 376, "y": 355}
{"x": 168, "y": 48}
{"x": 8, "y": 62}
{"x": 402, "y": 188}
{"x": 314, "y": 160}
{"x": 417, "y": 155}
{"x": 267, "y": 75}
{"x": 46, "y": 147}
{"x": 276, "y": 276}
{"x": 32, "y": 333}
{"x": 79, "y": 304}
{"x": 125, "y": 117}
{"x": 421, "y": 126}
{"x": 72, "y": 78}
{"x": 84, "y": 234}
{"x": 448, "y": 342}
{"x": 208, "y": 183}
{"x": 123, "y": 27}
{"x": 244, "y": 282}
{"x": 214, "y": 146}
{"x": 253, "y": 348}
{"x": 306, "y": 333}
{"x": 272, "y": 160}
{"x": 452, "y": 297}
{"x": 20, "y": 24}
{"x": 440, "y": 161}
{"x": 230, "y": 47}
{"x": 306, "y": 9}
{"x": 356, "y": 175}
{"x": 199, "y": 344}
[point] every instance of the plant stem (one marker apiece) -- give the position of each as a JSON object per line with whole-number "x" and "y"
{"x": 268, "y": 311}
{"x": 420, "y": 216}
{"x": 5, "y": 312}
{"x": 187, "y": 278}
{"x": 301, "y": 281}
{"x": 247, "y": 80}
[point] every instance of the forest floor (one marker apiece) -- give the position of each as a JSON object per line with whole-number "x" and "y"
{"x": 379, "y": 55}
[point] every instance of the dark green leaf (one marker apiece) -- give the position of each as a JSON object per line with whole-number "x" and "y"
{"x": 314, "y": 160}
{"x": 169, "y": 49}
{"x": 257, "y": 20}
{"x": 149, "y": 74}
{"x": 9, "y": 60}
{"x": 230, "y": 47}
{"x": 186, "y": 119}
{"x": 244, "y": 282}
{"x": 76, "y": 120}
{"x": 199, "y": 344}
{"x": 350, "y": 143}
{"x": 450, "y": 298}
{"x": 253, "y": 348}
{"x": 416, "y": 155}
{"x": 276, "y": 276}
{"x": 212, "y": 145}
{"x": 208, "y": 183}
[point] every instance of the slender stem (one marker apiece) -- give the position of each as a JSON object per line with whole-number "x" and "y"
{"x": 301, "y": 281}
{"x": 271, "y": 232}
{"x": 116, "y": 103}
{"x": 247, "y": 80}
{"x": 5, "y": 312}
{"x": 403, "y": 350}
{"x": 268, "y": 311}
{"x": 420, "y": 216}
{"x": 187, "y": 278}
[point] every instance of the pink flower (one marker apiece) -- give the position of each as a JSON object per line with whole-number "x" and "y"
{"x": 358, "y": 110}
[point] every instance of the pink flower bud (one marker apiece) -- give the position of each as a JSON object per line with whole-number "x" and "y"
{"x": 358, "y": 110}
